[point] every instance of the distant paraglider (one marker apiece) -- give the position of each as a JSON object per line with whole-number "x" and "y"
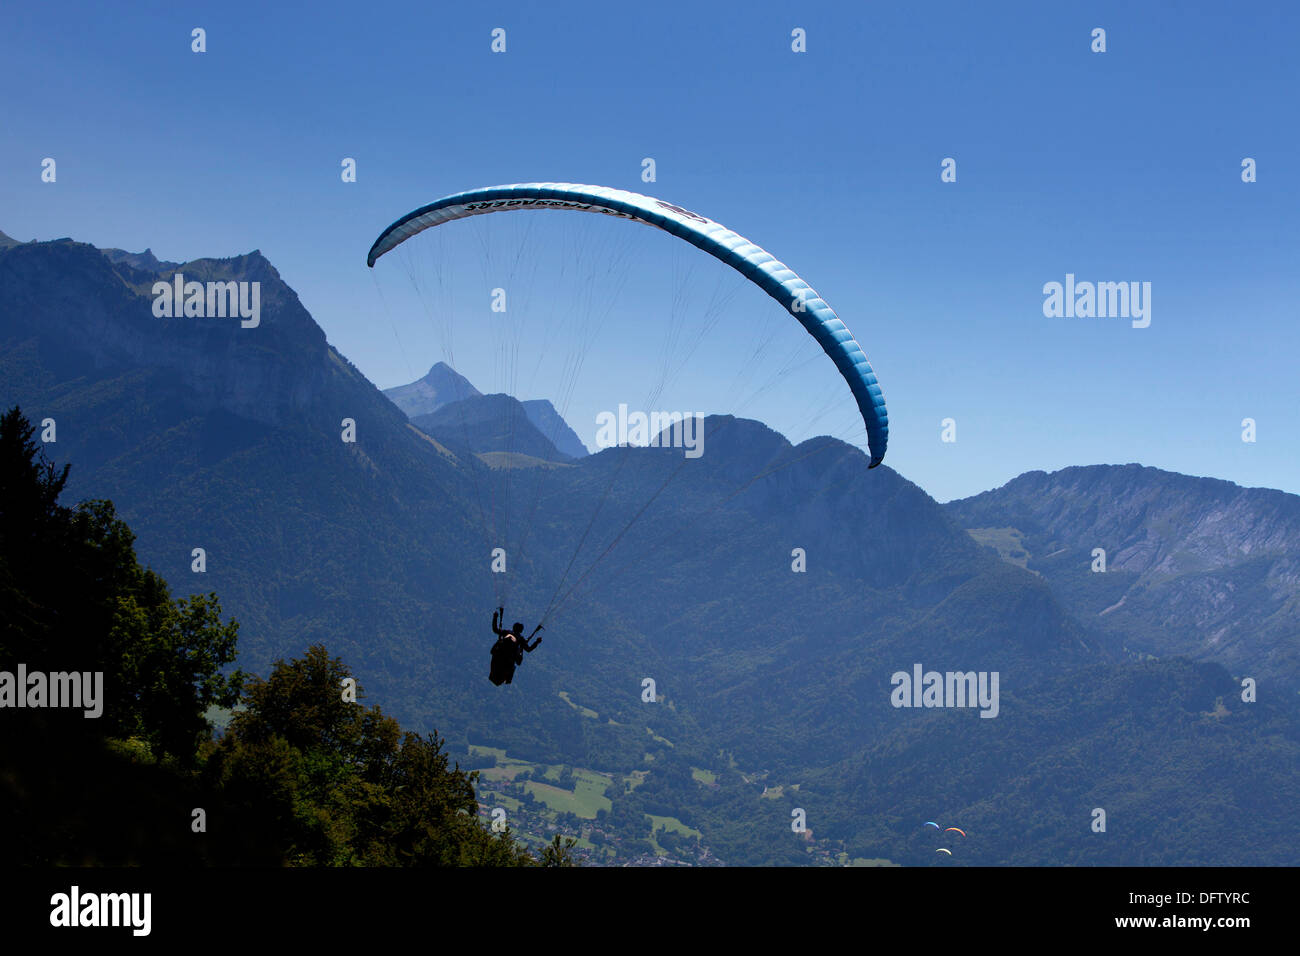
{"x": 943, "y": 849}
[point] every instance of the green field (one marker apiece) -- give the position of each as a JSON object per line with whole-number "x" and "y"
{"x": 492, "y": 798}
{"x": 673, "y": 824}
{"x": 506, "y": 767}
{"x": 585, "y": 711}
{"x": 584, "y": 800}
{"x": 506, "y": 772}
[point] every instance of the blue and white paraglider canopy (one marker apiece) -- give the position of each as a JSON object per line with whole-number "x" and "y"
{"x": 751, "y": 261}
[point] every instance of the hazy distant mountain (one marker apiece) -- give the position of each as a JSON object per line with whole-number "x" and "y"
{"x": 441, "y": 386}
{"x": 1194, "y": 566}
{"x": 6, "y": 241}
{"x": 548, "y": 421}
{"x": 444, "y": 385}
{"x": 488, "y": 423}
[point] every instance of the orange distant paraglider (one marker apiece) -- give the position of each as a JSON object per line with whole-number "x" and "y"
{"x": 958, "y": 829}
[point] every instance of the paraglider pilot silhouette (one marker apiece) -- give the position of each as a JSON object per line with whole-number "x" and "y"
{"x": 508, "y": 651}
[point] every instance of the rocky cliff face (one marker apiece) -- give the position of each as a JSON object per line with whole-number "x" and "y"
{"x": 102, "y": 302}
{"x": 549, "y": 422}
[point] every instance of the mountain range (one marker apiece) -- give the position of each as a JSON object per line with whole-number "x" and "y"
{"x": 770, "y": 591}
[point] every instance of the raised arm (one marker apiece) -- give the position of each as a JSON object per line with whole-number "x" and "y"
{"x": 530, "y": 647}
{"x": 496, "y": 622}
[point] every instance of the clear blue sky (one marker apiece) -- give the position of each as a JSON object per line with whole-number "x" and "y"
{"x": 1123, "y": 165}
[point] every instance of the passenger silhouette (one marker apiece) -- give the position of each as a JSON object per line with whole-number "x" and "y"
{"x": 508, "y": 651}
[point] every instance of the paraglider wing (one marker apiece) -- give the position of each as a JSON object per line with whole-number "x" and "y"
{"x": 942, "y": 850}
{"x": 958, "y": 829}
{"x": 931, "y": 823}
{"x": 752, "y": 262}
